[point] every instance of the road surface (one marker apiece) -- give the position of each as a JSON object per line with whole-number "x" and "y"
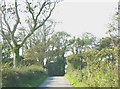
{"x": 56, "y": 82}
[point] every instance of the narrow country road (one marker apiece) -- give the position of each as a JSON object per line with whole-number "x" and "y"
{"x": 57, "y": 81}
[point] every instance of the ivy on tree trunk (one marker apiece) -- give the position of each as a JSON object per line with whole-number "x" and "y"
{"x": 16, "y": 58}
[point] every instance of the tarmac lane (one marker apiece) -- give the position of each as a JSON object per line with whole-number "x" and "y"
{"x": 56, "y": 82}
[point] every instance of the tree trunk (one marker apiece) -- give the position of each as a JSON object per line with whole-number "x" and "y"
{"x": 16, "y": 56}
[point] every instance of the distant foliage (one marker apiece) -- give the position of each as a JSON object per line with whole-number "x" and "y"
{"x": 96, "y": 66}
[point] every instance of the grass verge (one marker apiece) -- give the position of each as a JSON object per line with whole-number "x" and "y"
{"x": 75, "y": 80}
{"x": 35, "y": 82}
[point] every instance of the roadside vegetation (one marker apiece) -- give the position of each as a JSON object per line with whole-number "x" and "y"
{"x": 32, "y": 47}
{"x": 95, "y": 63}
{"x": 26, "y": 76}
{"x": 22, "y": 61}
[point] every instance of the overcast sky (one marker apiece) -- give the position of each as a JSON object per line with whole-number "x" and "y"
{"x": 79, "y": 16}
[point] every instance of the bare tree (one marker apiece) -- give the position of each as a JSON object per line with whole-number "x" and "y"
{"x": 29, "y": 15}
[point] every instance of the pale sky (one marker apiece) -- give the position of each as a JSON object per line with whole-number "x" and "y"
{"x": 79, "y": 16}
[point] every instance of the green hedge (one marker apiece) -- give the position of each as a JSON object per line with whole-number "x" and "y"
{"x": 26, "y": 76}
{"x": 84, "y": 79}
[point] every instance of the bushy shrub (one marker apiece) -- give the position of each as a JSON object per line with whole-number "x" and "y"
{"x": 21, "y": 76}
{"x": 104, "y": 75}
{"x": 97, "y": 73}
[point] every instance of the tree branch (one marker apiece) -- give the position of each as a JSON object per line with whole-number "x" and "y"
{"x": 30, "y": 10}
{"x": 35, "y": 28}
{"x": 5, "y": 37}
{"x": 8, "y": 26}
{"x": 43, "y": 5}
{"x": 26, "y": 38}
{"x": 46, "y": 17}
{"x": 18, "y": 19}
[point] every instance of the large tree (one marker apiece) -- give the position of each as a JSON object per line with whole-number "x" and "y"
{"x": 39, "y": 44}
{"x": 28, "y": 15}
{"x": 59, "y": 43}
{"x": 58, "y": 47}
